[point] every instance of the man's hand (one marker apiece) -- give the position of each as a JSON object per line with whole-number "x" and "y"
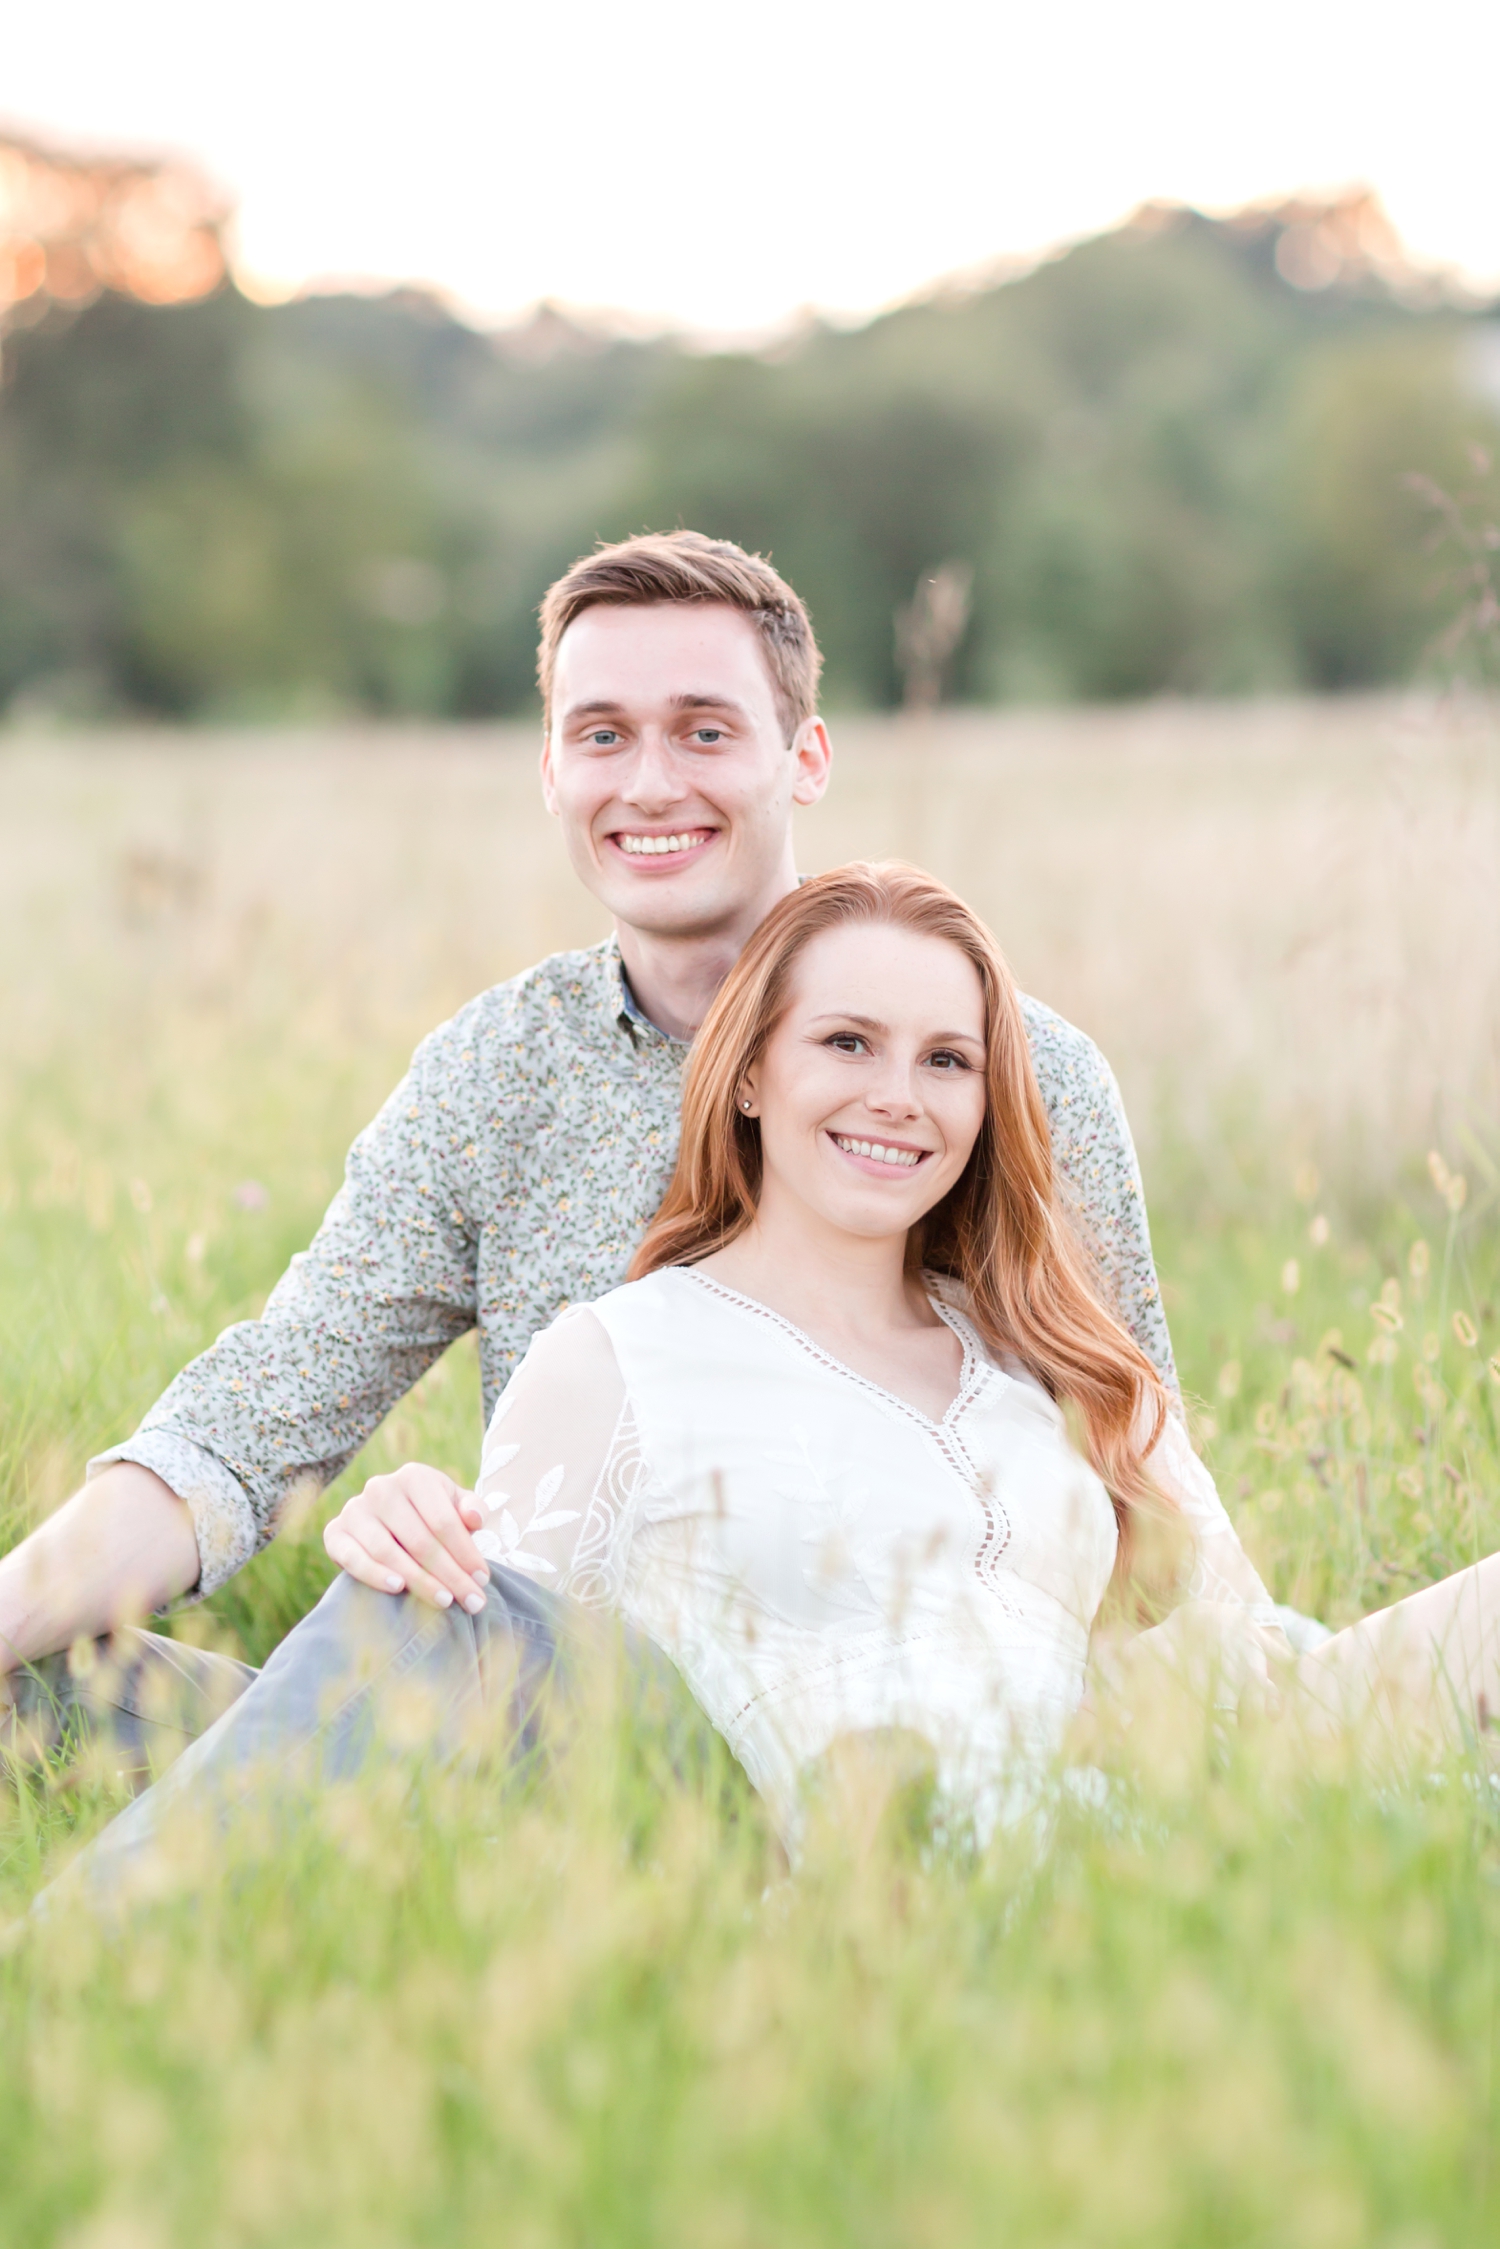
{"x": 119, "y": 1549}
{"x": 410, "y": 1533}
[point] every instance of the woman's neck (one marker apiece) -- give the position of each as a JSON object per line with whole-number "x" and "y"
{"x": 830, "y": 1283}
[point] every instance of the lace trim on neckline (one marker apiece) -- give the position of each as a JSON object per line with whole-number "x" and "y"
{"x": 945, "y": 1435}
{"x": 972, "y": 1374}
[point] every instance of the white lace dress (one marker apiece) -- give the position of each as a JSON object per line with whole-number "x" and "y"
{"x": 815, "y": 1555}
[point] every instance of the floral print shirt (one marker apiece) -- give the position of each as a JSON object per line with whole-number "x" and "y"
{"x": 511, "y": 1174}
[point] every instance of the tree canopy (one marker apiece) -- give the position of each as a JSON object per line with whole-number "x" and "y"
{"x": 1177, "y": 458}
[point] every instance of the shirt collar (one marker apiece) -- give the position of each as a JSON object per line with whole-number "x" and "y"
{"x": 626, "y": 1008}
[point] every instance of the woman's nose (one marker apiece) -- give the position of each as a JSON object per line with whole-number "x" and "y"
{"x": 894, "y": 1094}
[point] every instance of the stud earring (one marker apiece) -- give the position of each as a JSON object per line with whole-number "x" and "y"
{"x": 746, "y": 1107}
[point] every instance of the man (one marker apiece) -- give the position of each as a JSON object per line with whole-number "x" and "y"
{"x": 514, "y": 1168}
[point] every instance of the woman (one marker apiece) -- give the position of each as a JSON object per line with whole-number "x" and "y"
{"x": 817, "y": 1450}
{"x": 824, "y": 1462}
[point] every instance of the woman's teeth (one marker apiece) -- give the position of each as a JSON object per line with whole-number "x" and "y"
{"x": 878, "y": 1149}
{"x": 640, "y": 844}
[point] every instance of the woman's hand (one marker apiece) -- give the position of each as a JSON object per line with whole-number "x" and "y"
{"x": 411, "y": 1533}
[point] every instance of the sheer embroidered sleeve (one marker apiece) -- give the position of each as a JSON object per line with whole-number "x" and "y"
{"x": 1222, "y": 1570}
{"x": 561, "y": 1466}
{"x": 1225, "y": 1611}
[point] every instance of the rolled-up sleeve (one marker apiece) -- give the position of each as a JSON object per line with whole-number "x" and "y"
{"x": 1099, "y": 1176}
{"x": 388, "y": 1282}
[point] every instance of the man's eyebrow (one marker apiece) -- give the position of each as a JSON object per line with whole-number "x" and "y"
{"x": 602, "y": 706}
{"x": 709, "y": 702}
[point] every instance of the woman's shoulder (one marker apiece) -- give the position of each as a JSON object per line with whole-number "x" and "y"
{"x": 663, "y": 1294}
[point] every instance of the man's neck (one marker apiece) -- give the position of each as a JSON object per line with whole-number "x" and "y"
{"x": 675, "y": 979}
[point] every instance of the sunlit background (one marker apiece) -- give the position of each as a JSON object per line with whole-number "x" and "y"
{"x": 1054, "y": 356}
{"x": 721, "y": 167}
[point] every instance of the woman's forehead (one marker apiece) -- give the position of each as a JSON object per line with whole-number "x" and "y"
{"x": 878, "y": 967}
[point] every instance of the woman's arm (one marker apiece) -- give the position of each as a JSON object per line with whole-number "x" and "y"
{"x": 543, "y": 1491}
{"x": 1224, "y": 1630}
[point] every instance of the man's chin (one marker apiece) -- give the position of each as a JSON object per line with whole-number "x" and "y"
{"x": 684, "y": 905}
{"x": 660, "y": 916}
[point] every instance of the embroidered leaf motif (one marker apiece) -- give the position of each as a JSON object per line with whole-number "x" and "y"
{"x": 550, "y": 1522}
{"x": 548, "y": 1487}
{"x": 497, "y": 1547}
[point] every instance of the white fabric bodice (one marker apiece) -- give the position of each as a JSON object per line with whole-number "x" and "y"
{"x": 815, "y": 1555}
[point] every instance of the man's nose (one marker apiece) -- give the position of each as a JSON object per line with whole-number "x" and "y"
{"x": 653, "y": 780}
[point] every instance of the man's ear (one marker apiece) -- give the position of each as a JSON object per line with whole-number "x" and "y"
{"x": 813, "y": 753}
{"x": 549, "y": 784}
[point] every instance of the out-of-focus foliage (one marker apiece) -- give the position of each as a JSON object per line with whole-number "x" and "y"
{"x": 73, "y": 225}
{"x": 1179, "y": 458}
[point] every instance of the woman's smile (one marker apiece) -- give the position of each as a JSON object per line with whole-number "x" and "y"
{"x": 877, "y": 1156}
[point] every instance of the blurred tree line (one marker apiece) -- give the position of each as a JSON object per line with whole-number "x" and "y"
{"x": 1178, "y": 458}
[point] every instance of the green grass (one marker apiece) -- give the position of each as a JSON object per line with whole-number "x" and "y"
{"x": 1251, "y": 1999}
{"x": 1250, "y": 2005}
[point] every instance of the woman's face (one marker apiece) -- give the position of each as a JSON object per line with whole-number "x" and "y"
{"x": 871, "y": 1089}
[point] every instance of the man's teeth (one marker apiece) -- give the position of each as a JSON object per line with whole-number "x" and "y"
{"x": 878, "y": 1149}
{"x": 641, "y": 844}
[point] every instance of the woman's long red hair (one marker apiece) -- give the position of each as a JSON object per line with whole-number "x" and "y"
{"x": 999, "y": 1232}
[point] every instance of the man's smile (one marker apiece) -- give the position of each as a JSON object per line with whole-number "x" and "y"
{"x": 660, "y": 846}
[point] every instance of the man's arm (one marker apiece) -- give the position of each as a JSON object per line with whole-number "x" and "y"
{"x": 119, "y": 1549}
{"x": 284, "y": 1402}
{"x": 386, "y": 1285}
{"x": 1099, "y": 1176}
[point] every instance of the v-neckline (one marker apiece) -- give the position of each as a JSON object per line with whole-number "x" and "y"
{"x": 971, "y": 1373}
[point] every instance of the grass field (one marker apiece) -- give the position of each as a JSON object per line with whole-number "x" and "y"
{"x": 1250, "y": 2001}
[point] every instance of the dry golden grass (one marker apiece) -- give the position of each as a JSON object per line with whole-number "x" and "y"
{"x": 1280, "y": 912}
{"x": 1237, "y": 2000}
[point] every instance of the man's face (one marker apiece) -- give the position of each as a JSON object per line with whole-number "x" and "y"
{"x": 667, "y": 763}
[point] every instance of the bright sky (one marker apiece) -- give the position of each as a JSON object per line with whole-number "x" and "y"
{"x": 723, "y": 166}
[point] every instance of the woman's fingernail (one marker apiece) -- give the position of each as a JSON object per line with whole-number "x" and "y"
{"x": 473, "y": 1602}
{"x": 444, "y": 1598}
{"x": 481, "y": 1579}
{"x": 393, "y": 1583}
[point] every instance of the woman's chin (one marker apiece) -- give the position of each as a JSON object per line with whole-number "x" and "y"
{"x": 876, "y": 1215}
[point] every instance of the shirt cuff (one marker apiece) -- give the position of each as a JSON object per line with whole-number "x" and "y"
{"x": 223, "y": 1520}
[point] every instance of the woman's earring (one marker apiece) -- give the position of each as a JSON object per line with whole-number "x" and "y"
{"x": 746, "y": 1107}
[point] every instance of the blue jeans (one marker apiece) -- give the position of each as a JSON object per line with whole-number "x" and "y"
{"x": 363, "y": 1678}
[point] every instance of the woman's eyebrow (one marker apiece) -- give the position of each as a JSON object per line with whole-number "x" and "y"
{"x": 848, "y": 1015}
{"x": 873, "y": 1023}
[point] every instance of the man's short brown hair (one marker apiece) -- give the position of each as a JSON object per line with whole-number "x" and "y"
{"x": 661, "y": 566}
